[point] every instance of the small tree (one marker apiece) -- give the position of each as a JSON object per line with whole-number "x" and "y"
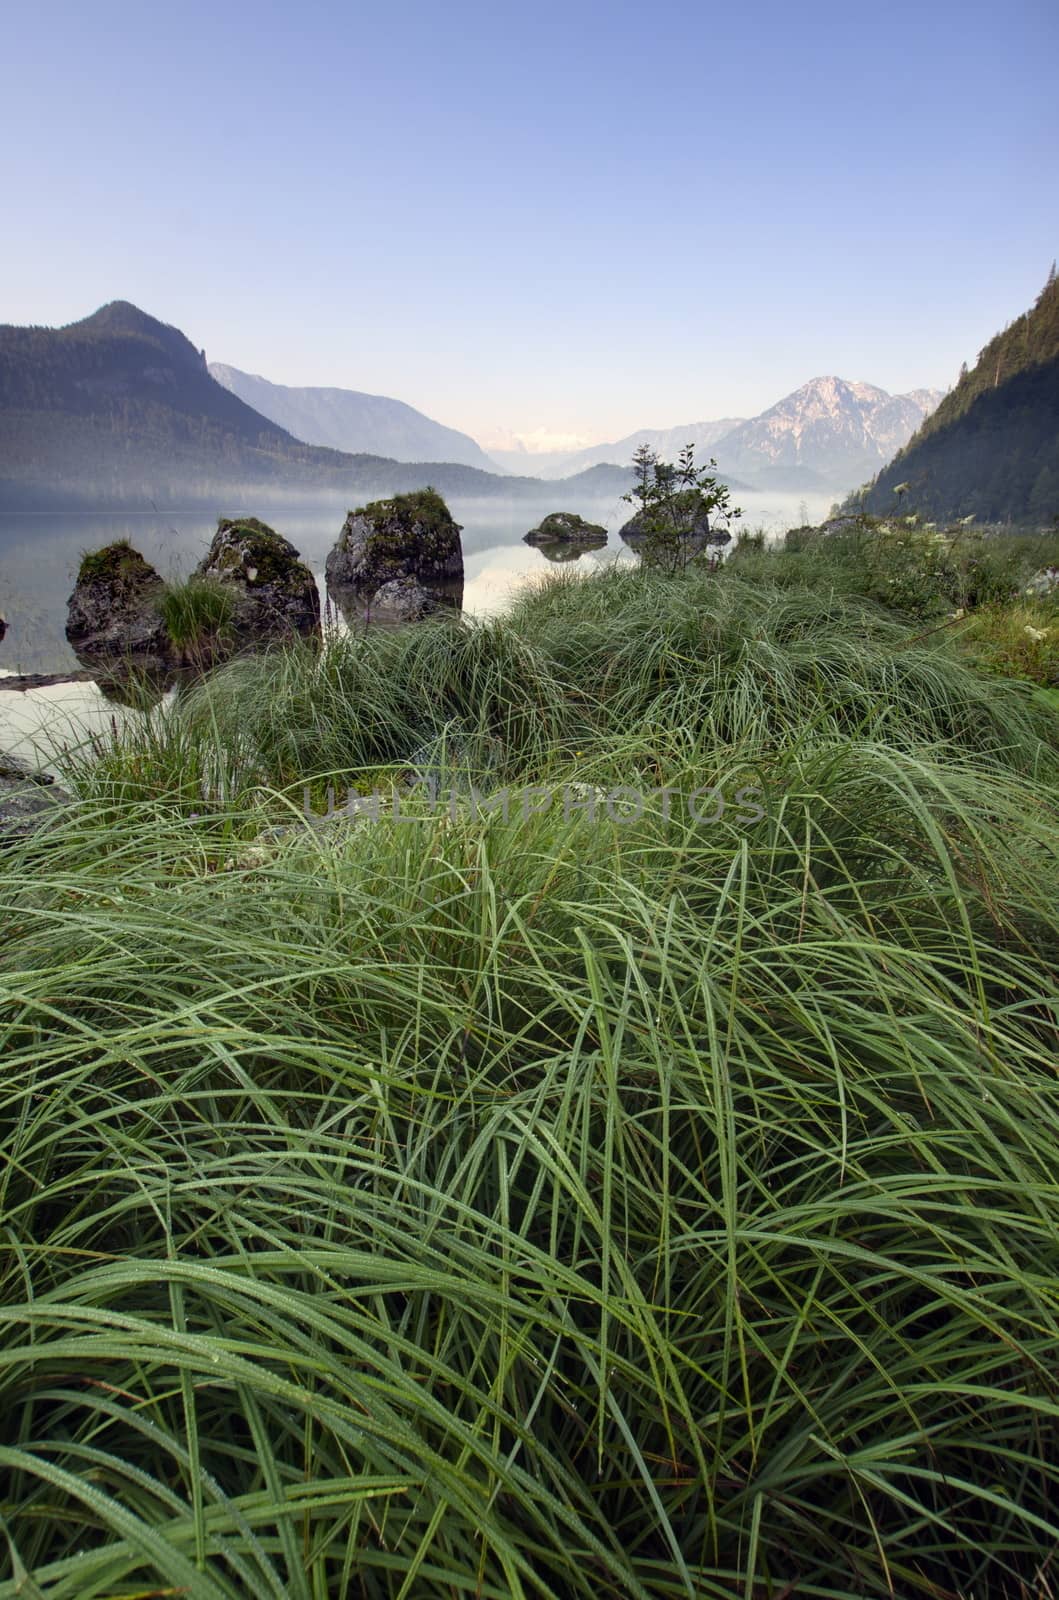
{"x": 674, "y": 506}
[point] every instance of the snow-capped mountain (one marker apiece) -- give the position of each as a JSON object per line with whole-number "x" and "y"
{"x": 830, "y": 435}
{"x": 831, "y": 431}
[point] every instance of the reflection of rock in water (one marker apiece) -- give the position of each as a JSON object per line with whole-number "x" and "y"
{"x": 397, "y": 601}
{"x": 138, "y": 684}
{"x": 696, "y": 543}
{"x": 570, "y": 552}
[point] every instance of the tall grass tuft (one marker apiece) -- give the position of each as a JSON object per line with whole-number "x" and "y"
{"x": 670, "y": 666}
{"x": 543, "y": 1206}
{"x": 197, "y": 613}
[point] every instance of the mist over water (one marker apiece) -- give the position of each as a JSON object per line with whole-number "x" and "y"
{"x": 40, "y": 553}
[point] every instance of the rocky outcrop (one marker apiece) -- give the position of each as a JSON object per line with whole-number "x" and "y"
{"x": 407, "y": 536}
{"x": 275, "y": 594}
{"x": 567, "y": 528}
{"x": 137, "y": 635}
{"x": 28, "y": 799}
{"x": 113, "y": 614}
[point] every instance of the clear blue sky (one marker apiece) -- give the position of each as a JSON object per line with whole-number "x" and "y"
{"x": 581, "y": 217}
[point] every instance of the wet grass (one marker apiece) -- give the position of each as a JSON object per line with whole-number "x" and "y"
{"x": 655, "y": 1204}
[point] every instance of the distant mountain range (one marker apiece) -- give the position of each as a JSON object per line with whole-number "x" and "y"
{"x": 991, "y": 449}
{"x": 666, "y": 442}
{"x": 825, "y": 436}
{"x": 345, "y": 419}
{"x": 121, "y": 409}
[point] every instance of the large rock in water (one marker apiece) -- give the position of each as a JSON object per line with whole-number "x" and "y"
{"x": 275, "y": 593}
{"x": 408, "y": 536}
{"x": 113, "y": 614}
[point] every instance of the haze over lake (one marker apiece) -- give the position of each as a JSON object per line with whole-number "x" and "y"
{"x": 40, "y": 553}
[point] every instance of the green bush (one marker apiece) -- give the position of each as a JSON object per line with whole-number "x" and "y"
{"x": 1016, "y": 641}
{"x": 918, "y": 571}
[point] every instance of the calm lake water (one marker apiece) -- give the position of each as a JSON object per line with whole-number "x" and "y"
{"x": 39, "y": 557}
{"x": 40, "y": 554}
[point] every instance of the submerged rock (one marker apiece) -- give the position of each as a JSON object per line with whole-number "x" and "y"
{"x": 28, "y": 799}
{"x": 408, "y": 536}
{"x": 275, "y": 594}
{"x": 113, "y": 614}
{"x": 566, "y": 527}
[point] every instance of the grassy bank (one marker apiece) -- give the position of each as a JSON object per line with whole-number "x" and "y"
{"x": 658, "y": 1202}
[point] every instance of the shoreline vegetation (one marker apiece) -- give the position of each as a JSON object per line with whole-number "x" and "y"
{"x": 553, "y": 1202}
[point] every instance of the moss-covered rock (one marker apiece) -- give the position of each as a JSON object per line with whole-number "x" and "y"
{"x": 112, "y": 615}
{"x": 407, "y": 536}
{"x": 274, "y": 593}
{"x": 567, "y": 528}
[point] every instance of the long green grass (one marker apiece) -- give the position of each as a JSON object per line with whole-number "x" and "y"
{"x": 627, "y": 662}
{"x": 545, "y": 1206}
{"x": 198, "y": 613}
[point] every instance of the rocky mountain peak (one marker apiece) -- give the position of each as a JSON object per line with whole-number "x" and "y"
{"x": 840, "y": 430}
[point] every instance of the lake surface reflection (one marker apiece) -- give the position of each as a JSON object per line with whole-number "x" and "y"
{"x": 39, "y": 557}
{"x": 40, "y": 554}
{"x": 39, "y": 725}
